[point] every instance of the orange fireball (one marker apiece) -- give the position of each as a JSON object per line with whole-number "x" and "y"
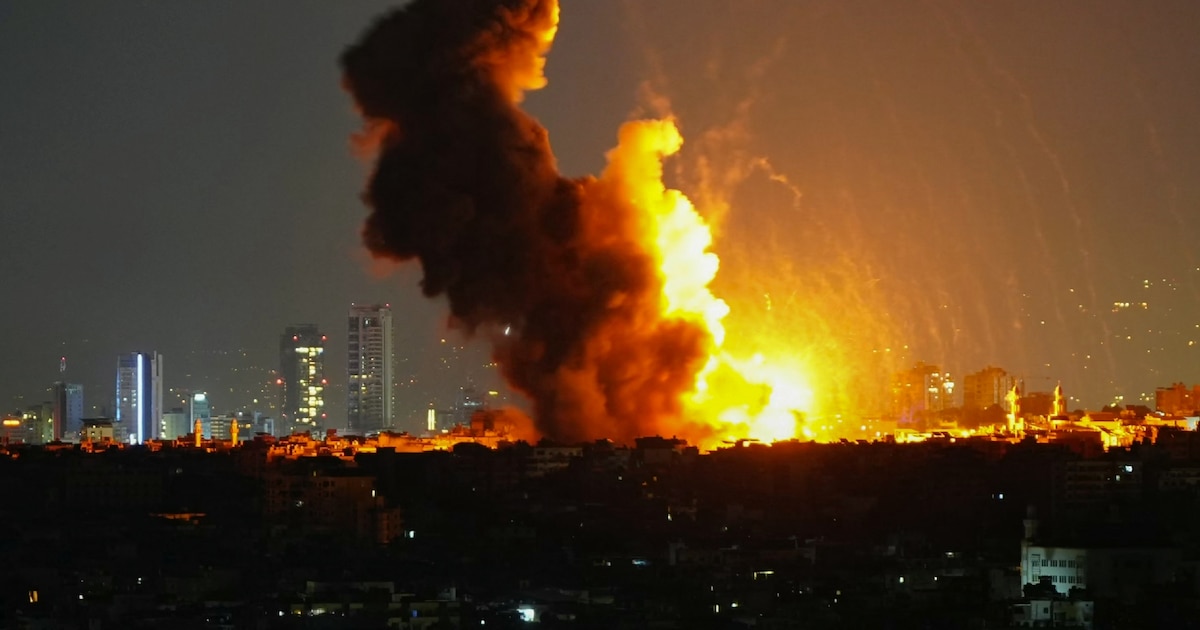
{"x": 734, "y": 398}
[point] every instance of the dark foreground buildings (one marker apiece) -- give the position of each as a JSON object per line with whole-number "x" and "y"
{"x": 941, "y": 534}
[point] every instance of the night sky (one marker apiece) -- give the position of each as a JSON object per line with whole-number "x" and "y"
{"x": 964, "y": 183}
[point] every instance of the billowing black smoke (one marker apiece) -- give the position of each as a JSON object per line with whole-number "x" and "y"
{"x": 466, "y": 183}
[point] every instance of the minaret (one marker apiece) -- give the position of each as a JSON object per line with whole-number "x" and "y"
{"x": 233, "y": 431}
{"x": 198, "y": 432}
{"x": 1060, "y": 401}
{"x": 1014, "y": 408}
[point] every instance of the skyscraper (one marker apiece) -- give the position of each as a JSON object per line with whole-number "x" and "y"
{"x": 369, "y": 382}
{"x": 67, "y": 419}
{"x": 302, "y": 378}
{"x": 139, "y": 394}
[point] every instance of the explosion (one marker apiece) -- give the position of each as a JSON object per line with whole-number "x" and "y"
{"x": 594, "y": 292}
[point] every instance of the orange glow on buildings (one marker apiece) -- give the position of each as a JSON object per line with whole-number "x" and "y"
{"x": 612, "y": 324}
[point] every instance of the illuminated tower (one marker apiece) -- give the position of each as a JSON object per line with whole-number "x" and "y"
{"x": 139, "y": 394}
{"x": 1060, "y": 402}
{"x": 1014, "y": 409}
{"x": 369, "y": 382}
{"x": 302, "y": 378}
{"x": 67, "y": 419}
{"x": 924, "y": 388}
{"x": 200, "y": 412}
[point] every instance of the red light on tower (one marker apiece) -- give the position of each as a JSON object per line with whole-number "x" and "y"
{"x": 279, "y": 381}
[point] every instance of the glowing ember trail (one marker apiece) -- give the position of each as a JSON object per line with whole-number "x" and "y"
{"x": 600, "y": 285}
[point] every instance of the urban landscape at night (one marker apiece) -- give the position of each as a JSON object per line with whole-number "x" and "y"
{"x": 1046, "y": 518}
{"x": 683, "y": 314}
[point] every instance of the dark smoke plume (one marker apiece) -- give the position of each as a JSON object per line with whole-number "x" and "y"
{"x": 466, "y": 183}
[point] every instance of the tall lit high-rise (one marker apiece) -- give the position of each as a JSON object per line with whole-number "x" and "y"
{"x": 302, "y": 378}
{"x": 924, "y": 388}
{"x": 67, "y": 419}
{"x": 139, "y": 394}
{"x": 369, "y": 370}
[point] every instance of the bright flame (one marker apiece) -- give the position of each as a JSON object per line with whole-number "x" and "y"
{"x": 682, "y": 238}
{"x": 760, "y": 397}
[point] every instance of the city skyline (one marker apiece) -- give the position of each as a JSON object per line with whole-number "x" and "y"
{"x": 971, "y": 185}
{"x": 679, "y": 314}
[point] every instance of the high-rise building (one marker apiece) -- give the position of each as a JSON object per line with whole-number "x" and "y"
{"x": 194, "y": 404}
{"x": 139, "y": 395}
{"x": 67, "y": 420}
{"x": 199, "y": 409}
{"x": 369, "y": 379}
{"x": 39, "y": 423}
{"x": 1178, "y": 399}
{"x": 986, "y": 388}
{"x": 302, "y": 378}
{"x": 42, "y": 417}
{"x": 924, "y": 388}
{"x": 219, "y": 426}
{"x": 469, "y": 401}
{"x": 174, "y": 424}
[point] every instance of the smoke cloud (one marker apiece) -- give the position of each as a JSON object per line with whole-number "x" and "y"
{"x": 466, "y": 183}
